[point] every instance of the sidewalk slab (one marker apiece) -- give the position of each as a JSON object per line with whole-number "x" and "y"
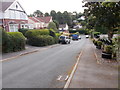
{"x": 27, "y": 50}
{"x": 90, "y": 74}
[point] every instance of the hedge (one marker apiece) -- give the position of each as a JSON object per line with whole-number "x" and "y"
{"x": 23, "y": 31}
{"x": 41, "y": 40}
{"x": 12, "y": 41}
{"x": 32, "y": 33}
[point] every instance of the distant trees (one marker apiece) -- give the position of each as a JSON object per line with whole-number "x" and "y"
{"x": 46, "y": 14}
{"x": 38, "y": 13}
{"x": 59, "y": 17}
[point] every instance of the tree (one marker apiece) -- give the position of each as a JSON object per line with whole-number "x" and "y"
{"x": 60, "y": 18}
{"x": 47, "y": 14}
{"x": 57, "y": 23}
{"x": 52, "y": 25}
{"x": 53, "y": 14}
{"x": 107, "y": 14}
{"x": 67, "y": 18}
{"x": 38, "y": 13}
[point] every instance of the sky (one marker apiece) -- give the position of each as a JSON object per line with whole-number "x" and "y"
{"x": 47, "y": 5}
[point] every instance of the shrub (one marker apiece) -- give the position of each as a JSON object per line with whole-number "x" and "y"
{"x": 99, "y": 43}
{"x": 15, "y": 42}
{"x": 4, "y": 40}
{"x": 23, "y": 31}
{"x": 52, "y": 33}
{"x": 58, "y": 34}
{"x": 41, "y": 40}
{"x": 32, "y": 33}
{"x": 108, "y": 48}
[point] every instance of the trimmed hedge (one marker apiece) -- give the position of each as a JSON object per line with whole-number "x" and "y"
{"x": 12, "y": 41}
{"x": 41, "y": 40}
{"x": 42, "y": 37}
{"x": 33, "y": 33}
{"x": 23, "y": 31}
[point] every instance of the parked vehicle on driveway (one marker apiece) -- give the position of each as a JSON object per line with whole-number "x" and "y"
{"x": 64, "y": 39}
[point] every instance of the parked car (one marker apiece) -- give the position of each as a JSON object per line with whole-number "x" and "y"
{"x": 75, "y": 37}
{"x": 87, "y": 36}
{"x": 79, "y": 37}
{"x": 64, "y": 39}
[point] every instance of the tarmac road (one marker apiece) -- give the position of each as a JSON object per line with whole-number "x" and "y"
{"x": 44, "y": 69}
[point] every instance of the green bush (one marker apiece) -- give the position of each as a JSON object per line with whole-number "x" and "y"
{"x": 33, "y": 33}
{"x": 52, "y": 33}
{"x": 4, "y": 40}
{"x": 99, "y": 43}
{"x": 15, "y": 42}
{"x": 23, "y": 31}
{"x": 58, "y": 34}
{"x": 108, "y": 48}
{"x": 41, "y": 40}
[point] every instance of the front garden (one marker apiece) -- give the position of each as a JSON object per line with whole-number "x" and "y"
{"x": 110, "y": 48}
{"x": 16, "y": 41}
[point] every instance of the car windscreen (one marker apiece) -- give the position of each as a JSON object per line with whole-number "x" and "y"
{"x": 62, "y": 37}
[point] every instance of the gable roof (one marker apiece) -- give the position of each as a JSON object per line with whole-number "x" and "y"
{"x": 46, "y": 19}
{"x": 33, "y": 19}
{"x": 41, "y": 19}
{"x": 5, "y": 5}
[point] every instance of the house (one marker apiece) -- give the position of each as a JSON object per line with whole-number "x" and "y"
{"x": 39, "y": 22}
{"x": 35, "y": 23}
{"x": 12, "y": 16}
{"x": 63, "y": 28}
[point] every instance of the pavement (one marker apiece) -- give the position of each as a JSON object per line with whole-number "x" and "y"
{"x": 93, "y": 71}
{"x": 28, "y": 49}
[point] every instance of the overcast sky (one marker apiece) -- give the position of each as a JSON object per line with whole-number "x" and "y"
{"x": 47, "y": 5}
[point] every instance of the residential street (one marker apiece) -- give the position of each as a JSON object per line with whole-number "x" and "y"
{"x": 45, "y": 69}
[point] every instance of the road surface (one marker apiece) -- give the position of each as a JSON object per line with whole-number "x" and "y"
{"x": 45, "y": 69}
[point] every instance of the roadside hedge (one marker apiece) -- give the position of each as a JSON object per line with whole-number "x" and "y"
{"x": 33, "y": 33}
{"x": 12, "y": 41}
{"x": 23, "y": 31}
{"x": 41, "y": 40}
{"x": 42, "y": 37}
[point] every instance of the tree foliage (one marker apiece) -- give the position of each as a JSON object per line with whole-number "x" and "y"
{"x": 105, "y": 14}
{"x": 52, "y": 25}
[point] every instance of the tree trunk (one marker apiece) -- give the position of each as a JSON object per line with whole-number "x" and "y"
{"x": 110, "y": 34}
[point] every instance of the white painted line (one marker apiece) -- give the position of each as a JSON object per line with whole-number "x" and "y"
{"x": 72, "y": 73}
{"x": 67, "y": 77}
{"x": 59, "y": 77}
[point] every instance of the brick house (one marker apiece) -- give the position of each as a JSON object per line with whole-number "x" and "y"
{"x": 12, "y": 16}
{"x": 39, "y": 22}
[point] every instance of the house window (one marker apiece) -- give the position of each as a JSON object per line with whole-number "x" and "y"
{"x": 13, "y": 27}
{"x": 16, "y": 6}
